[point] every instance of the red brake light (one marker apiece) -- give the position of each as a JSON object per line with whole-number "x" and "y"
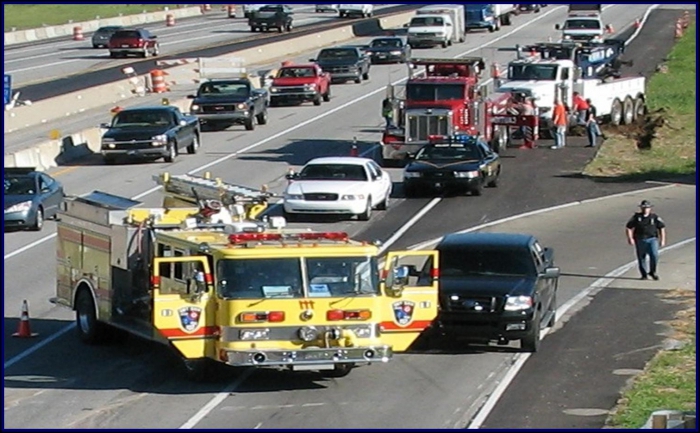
{"x": 140, "y": 42}
{"x": 275, "y": 316}
{"x": 208, "y": 278}
{"x": 155, "y": 281}
{"x": 435, "y": 273}
{"x": 333, "y": 315}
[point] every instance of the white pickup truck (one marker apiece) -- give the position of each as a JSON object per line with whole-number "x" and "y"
{"x": 355, "y": 10}
{"x": 584, "y": 23}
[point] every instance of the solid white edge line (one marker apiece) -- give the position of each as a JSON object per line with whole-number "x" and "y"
{"x": 603, "y": 282}
{"x": 410, "y": 223}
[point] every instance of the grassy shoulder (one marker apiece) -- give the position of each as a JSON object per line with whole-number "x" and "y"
{"x": 31, "y": 16}
{"x": 668, "y": 381}
{"x": 663, "y": 147}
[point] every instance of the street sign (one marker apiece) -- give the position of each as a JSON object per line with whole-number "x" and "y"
{"x": 7, "y": 88}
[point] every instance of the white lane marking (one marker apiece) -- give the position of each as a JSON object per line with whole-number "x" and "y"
{"x": 641, "y": 23}
{"x": 301, "y": 125}
{"x": 603, "y": 282}
{"x": 38, "y": 346}
{"x": 217, "y": 400}
{"x": 410, "y": 223}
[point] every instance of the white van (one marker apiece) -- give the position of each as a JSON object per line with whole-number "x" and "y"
{"x": 437, "y": 25}
{"x": 456, "y": 14}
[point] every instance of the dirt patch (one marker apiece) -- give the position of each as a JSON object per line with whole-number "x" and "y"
{"x": 643, "y": 130}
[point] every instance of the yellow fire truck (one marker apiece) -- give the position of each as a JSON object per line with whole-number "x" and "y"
{"x": 208, "y": 276}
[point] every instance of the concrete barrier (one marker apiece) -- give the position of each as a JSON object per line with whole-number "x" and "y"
{"x": 78, "y": 102}
{"x": 49, "y": 32}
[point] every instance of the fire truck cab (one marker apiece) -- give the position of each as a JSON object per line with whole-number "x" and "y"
{"x": 444, "y": 99}
{"x": 207, "y": 276}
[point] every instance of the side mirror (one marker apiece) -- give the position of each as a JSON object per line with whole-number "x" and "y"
{"x": 291, "y": 176}
{"x": 405, "y": 26}
{"x": 399, "y": 279}
{"x": 312, "y": 60}
{"x": 557, "y": 27}
{"x": 45, "y": 190}
{"x": 104, "y": 125}
{"x": 183, "y": 123}
{"x": 551, "y": 272}
{"x": 191, "y": 96}
{"x": 608, "y": 28}
{"x": 154, "y": 37}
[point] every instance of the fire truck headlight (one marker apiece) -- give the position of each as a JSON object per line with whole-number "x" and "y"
{"x": 308, "y": 333}
{"x": 467, "y": 174}
{"x": 411, "y": 174}
{"x": 254, "y": 334}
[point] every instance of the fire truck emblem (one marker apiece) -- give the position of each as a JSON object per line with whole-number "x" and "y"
{"x": 189, "y": 318}
{"x": 403, "y": 312}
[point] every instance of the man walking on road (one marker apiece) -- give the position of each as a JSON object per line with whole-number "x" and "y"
{"x": 592, "y": 128}
{"x": 560, "y": 120}
{"x": 646, "y": 231}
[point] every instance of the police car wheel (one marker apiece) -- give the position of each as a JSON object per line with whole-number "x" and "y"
{"x": 367, "y": 214}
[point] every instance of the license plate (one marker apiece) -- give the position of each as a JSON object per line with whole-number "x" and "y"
{"x": 313, "y": 367}
{"x": 438, "y": 185}
{"x": 382, "y": 55}
{"x": 125, "y": 46}
{"x": 131, "y": 152}
{"x": 218, "y": 108}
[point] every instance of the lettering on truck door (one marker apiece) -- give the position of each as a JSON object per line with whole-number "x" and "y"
{"x": 410, "y": 302}
{"x": 184, "y": 304}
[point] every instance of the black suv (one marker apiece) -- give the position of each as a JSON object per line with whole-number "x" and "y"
{"x": 269, "y": 17}
{"x": 344, "y": 63}
{"x": 496, "y": 286}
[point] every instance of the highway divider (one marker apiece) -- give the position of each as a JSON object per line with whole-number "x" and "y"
{"x": 53, "y": 153}
{"x": 64, "y": 30}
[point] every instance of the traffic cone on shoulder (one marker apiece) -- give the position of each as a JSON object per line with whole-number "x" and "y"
{"x": 24, "y": 330}
{"x": 637, "y": 23}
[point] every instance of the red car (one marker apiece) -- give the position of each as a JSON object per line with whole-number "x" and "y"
{"x": 139, "y": 42}
{"x": 300, "y": 83}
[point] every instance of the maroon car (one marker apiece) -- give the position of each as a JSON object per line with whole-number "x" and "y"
{"x": 139, "y": 42}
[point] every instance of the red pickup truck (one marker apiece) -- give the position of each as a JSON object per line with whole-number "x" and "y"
{"x": 300, "y": 83}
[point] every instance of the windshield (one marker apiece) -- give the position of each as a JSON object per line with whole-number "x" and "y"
{"x": 296, "y": 72}
{"x": 223, "y": 88}
{"x": 352, "y": 172}
{"x": 282, "y": 278}
{"x": 427, "y": 22}
{"x": 582, "y": 25}
{"x": 385, "y": 43}
{"x": 142, "y": 118}
{"x": 271, "y": 9}
{"x": 448, "y": 152}
{"x": 486, "y": 261}
{"x": 337, "y": 54}
{"x": 20, "y": 185}
{"x": 527, "y": 72}
{"x": 434, "y": 92}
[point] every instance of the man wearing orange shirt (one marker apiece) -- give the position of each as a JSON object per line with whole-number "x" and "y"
{"x": 560, "y": 121}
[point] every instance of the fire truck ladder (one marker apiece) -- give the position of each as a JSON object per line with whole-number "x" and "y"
{"x": 185, "y": 189}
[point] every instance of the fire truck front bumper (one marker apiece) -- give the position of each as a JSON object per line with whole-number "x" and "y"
{"x": 321, "y": 358}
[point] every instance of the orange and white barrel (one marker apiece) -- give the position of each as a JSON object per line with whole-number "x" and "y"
{"x": 169, "y": 20}
{"x": 78, "y": 33}
{"x": 158, "y": 81}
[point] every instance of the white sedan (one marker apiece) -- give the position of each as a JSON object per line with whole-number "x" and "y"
{"x": 338, "y": 185}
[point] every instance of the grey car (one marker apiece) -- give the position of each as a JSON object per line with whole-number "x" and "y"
{"x": 30, "y": 197}
{"x": 100, "y": 38}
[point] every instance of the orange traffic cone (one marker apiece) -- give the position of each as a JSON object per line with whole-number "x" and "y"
{"x": 24, "y": 330}
{"x": 637, "y": 23}
{"x": 353, "y": 150}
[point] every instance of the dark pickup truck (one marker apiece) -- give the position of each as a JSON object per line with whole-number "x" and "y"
{"x": 150, "y": 132}
{"x": 268, "y": 17}
{"x": 234, "y": 101}
{"x": 344, "y": 63}
{"x": 495, "y": 286}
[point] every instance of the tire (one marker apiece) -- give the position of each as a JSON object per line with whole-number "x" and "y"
{"x": 281, "y": 29}
{"x": 628, "y": 111}
{"x": 444, "y": 44}
{"x": 146, "y": 53}
{"x": 172, "y": 153}
{"x": 95, "y": 46}
{"x": 477, "y": 190}
{"x": 507, "y": 20}
{"x": 192, "y": 148}
{"x": 39, "y": 223}
{"x": 250, "y": 123}
{"x": 531, "y": 342}
{"x": 262, "y": 118}
{"x": 198, "y": 370}
{"x": 500, "y": 141}
{"x": 492, "y": 29}
{"x": 384, "y": 205}
{"x": 367, "y": 214}
{"x": 358, "y": 80}
{"x": 317, "y": 100}
{"x": 494, "y": 182}
{"x": 113, "y": 55}
{"x": 616, "y": 113}
{"x": 327, "y": 95}
{"x": 90, "y": 331}
{"x": 289, "y": 27}
{"x": 640, "y": 109}
{"x": 553, "y": 308}
{"x": 340, "y": 370}
{"x": 365, "y": 76}
{"x": 156, "y": 50}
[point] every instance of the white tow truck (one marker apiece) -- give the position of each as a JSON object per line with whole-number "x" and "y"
{"x": 618, "y": 100}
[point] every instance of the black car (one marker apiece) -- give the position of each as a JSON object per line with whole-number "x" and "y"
{"x": 389, "y": 50}
{"x": 230, "y": 101}
{"x": 100, "y": 39}
{"x": 30, "y": 197}
{"x": 496, "y": 286}
{"x": 460, "y": 163}
{"x": 268, "y": 17}
{"x": 150, "y": 132}
{"x": 344, "y": 63}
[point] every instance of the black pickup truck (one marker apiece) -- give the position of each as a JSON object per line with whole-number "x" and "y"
{"x": 268, "y": 17}
{"x": 495, "y": 286}
{"x": 234, "y": 101}
{"x": 150, "y": 132}
{"x": 344, "y": 63}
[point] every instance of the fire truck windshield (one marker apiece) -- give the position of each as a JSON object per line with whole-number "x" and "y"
{"x": 434, "y": 91}
{"x": 527, "y": 72}
{"x": 282, "y": 278}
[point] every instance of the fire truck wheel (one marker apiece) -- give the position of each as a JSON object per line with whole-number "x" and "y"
{"x": 198, "y": 370}
{"x": 89, "y": 329}
{"x": 367, "y": 214}
{"x": 340, "y": 370}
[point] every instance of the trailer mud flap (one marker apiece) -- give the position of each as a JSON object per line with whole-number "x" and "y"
{"x": 410, "y": 283}
{"x": 184, "y": 304}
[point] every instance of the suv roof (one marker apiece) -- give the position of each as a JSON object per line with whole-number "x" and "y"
{"x": 486, "y": 239}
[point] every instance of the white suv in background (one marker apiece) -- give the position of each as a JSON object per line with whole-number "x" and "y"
{"x": 356, "y": 10}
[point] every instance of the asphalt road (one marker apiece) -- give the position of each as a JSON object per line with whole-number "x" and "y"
{"x": 136, "y": 379}
{"x": 47, "y": 61}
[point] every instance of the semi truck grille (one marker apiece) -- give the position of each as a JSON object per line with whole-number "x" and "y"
{"x": 420, "y": 127}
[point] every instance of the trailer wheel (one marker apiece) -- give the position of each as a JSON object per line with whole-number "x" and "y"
{"x": 616, "y": 113}
{"x": 628, "y": 111}
{"x": 640, "y": 109}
